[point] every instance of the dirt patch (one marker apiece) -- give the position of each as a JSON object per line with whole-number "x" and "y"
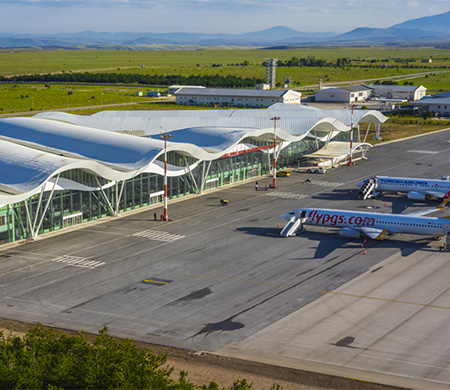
{"x": 202, "y": 368}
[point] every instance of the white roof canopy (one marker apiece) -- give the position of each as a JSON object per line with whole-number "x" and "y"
{"x": 33, "y": 150}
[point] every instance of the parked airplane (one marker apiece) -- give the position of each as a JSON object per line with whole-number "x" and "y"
{"x": 417, "y": 189}
{"x": 354, "y": 224}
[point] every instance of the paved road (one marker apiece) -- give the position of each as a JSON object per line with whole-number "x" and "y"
{"x": 371, "y": 80}
{"x": 217, "y": 277}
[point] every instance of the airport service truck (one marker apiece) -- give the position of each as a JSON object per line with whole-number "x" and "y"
{"x": 311, "y": 170}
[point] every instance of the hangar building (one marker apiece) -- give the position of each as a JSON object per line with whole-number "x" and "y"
{"x": 58, "y": 169}
{"x": 406, "y": 92}
{"x": 346, "y": 94}
{"x": 235, "y": 97}
{"x": 439, "y": 104}
{"x": 362, "y": 92}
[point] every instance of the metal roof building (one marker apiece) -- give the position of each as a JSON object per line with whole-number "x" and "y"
{"x": 60, "y": 169}
{"x": 407, "y": 92}
{"x": 236, "y": 97}
{"x": 347, "y": 94}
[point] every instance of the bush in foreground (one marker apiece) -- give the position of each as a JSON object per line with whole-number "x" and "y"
{"x": 46, "y": 359}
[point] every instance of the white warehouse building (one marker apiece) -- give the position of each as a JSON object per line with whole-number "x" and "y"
{"x": 403, "y": 92}
{"x": 438, "y": 104}
{"x": 235, "y": 97}
{"x": 346, "y": 94}
{"x": 362, "y": 92}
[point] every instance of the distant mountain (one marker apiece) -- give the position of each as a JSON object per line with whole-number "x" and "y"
{"x": 385, "y": 36}
{"x": 430, "y": 30}
{"x": 437, "y": 23}
{"x": 423, "y": 30}
{"x": 91, "y": 38}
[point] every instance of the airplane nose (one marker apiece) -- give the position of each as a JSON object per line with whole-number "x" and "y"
{"x": 359, "y": 184}
{"x": 286, "y": 216}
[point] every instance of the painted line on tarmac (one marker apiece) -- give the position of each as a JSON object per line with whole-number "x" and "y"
{"x": 321, "y": 291}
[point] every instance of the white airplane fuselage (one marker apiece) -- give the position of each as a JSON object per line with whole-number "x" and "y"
{"x": 375, "y": 225}
{"x": 418, "y": 189}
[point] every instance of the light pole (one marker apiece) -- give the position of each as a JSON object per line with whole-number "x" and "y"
{"x": 274, "y": 119}
{"x": 165, "y": 137}
{"x": 350, "y": 162}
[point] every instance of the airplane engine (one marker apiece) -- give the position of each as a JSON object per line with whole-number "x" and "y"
{"x": 349, "y": 233}
{"x": 414, "y": 195}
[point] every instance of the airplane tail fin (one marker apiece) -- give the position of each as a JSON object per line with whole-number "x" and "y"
{"x": 381, "y": 235}
{"x": 446, "y": 199}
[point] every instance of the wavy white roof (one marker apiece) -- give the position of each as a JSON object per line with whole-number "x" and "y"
{"x": 34, "y": 150}
{"x": 295, "y": 119}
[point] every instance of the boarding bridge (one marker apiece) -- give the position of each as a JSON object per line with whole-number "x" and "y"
{"x": 368, "y": 188}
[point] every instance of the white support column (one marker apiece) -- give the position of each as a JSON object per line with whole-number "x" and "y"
{"x": 120, "y": 196}
{"x": 204, "y": 174}
{"x": 36, "y": 232}
{"x": 38, "y": 207}
{"x": 328, "y": 138}
{"x": 30, "y": 227}
{"x": 280, "y": 146}
{"x": 268, "y": 156}
{"x": 190, "y": 173}
{"x": 116, "y": 210}
{"x": 367, "y": 132}
{"x": 104, "y": 196}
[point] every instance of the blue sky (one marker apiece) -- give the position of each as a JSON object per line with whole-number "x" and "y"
{"x": 209, "y": 16}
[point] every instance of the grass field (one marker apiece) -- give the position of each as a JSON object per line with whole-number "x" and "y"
{"x": 45, "y": 61}
{"x": 384, "y": 62}
{"x": 38, "y": 97}
{"x": 398, "y": 128}
{"x": 195, "y": 62}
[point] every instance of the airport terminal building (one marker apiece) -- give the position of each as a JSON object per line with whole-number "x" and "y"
{"x": 58, "y": 170}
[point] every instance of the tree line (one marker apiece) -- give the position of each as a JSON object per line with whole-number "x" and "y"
{"x": 212, "y": 81}
{"x": 312, "y": 61}
{"x": 46, "y": 359}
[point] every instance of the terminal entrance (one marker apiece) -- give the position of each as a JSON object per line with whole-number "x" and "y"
{"x": 72, "y": 219}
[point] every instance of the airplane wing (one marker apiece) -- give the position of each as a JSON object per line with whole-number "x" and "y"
{"x": 429, "y": 211}
{"x": 374, "y": 233}
{"x": 436, "y": 194}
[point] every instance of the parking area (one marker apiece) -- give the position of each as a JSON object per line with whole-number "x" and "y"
{"x": 222, "y": 280}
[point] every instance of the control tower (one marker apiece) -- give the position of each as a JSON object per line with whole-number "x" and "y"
{"x": 271, "y": 64}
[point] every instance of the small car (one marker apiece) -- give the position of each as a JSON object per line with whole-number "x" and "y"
{"x": 283, "y": 172}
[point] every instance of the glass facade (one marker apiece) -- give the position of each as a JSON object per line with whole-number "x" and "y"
{"x": 68, "y": 208}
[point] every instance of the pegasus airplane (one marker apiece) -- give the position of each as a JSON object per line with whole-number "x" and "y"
{"x": 416, "y": 189}
{"x": 354, "y": 224}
